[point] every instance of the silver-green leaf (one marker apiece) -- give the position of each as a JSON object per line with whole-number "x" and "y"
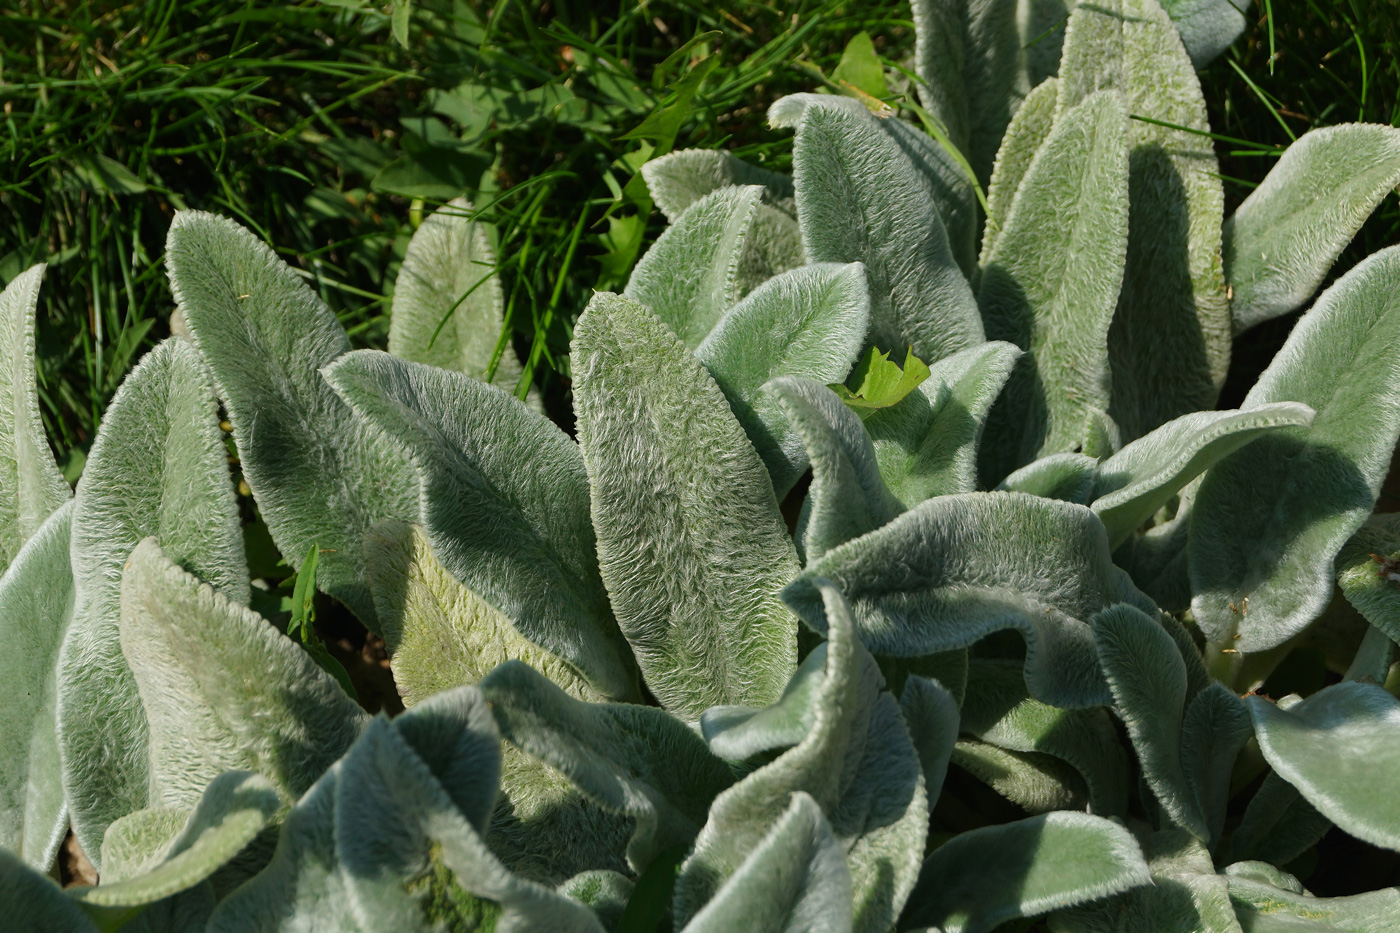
{"x": 1025, "y": 134}
{"x": 679, "y": 179}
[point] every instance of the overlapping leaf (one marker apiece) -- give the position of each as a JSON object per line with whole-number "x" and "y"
{"x": 1025, "y": 134}
{"x": 679, "y": 179}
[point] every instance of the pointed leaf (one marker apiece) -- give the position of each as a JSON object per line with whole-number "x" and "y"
{"x": 968, "y": 57}
{"x": 1169, "y": 346}
{"x": 695, "y": 566}
{"x": 1069, "y": 477}
{"x": 34, "y": 903}
{"x": 1054, "y": 297}
{"x": 689, "y": 276}
{"x": 222, "y": 688}
{"x": 996, "y": 710}
{"x": 319, "y": 475}
{"x": 1034, "y": 781}
{"x": 880, "y": 382}
{"x": 1215, "y": 728}
{"x": 987, "y": 876}
{"x": 1278, "y": 824}
{"x": 931, "y": 715}
{"x": 31, "y": 487}
{"x": 927, "y": 446}
{"x": 36, "y": 603}
{"x": 858, "y": 764}
{"x": 634, "y": 760}
{"x": 438, "y": 633}
{"x": 741, "y": 732}
{"x": 1025, "y": 135}
{"x": 234, "y": 809}
{"x": 794, "y": 881}
{"x": 1288, "y": 232}
{"x": 158, "y": 467}
{"x": 956, "y": 568}
{"x": 679, "y": 179}
{"x": 847, "y": 497}
{"x": 1148, "y": 679}
{"x": 1139, "y": 479}
{"x": 1270, "y": 518}
{"x": 520, "y": 538}
{"x": 1338, "y": 749}
{"x": 448, "y": 301}
{"x": 861, "y": 199}
{"x": 809, "y": 322}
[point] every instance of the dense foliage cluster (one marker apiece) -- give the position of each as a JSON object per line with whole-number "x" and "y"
{"x": 707, "y": 666}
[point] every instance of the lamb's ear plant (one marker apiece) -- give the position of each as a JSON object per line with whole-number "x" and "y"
{"x": 902, "y": 574}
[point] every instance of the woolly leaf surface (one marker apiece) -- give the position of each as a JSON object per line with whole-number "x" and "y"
{"x": 1215, "y": 728}
{"x": 1279, "y": 824}
{"x": 1067, "y": 476}
{"x": 740, "y": 732}
{"x": 691, "y": 545}
{"x": 1367, "y": 583}
{"x": 931, "y": 715}
{"x": 1207, "y": 27}
{"x": 36, "y": 904}
{"x": 678, "y": 180}
{"x": 1034, "y": 781}
{"x": 157, "y": 467}
{"x": 320, "y": 476}
{"x": 1266, "y": 908}
{"x": 1025, "y": 134}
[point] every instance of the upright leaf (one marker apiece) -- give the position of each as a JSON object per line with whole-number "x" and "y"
{"x": 847, "y": 497}
{"x": 1135, "y": 482}
{"x": 448, "y": 301}
{"x": 1285, "y": 236}
{"x": 861, "y": 199}
{"x": 794, "y": 881}
{"x": 320, "y": 476}
{"x": 968, "y": 57}
{"x": 984, "y": 877}
{"x": 956, "y": 568}
{"x": 1053, "y": 295}
{"x": 222, "y": 689}
{"x": 809, "y": 322}
{"x": 859, "y": 766}
{"x": 691, "y": 545}
{"x": 1278, "y": 824}
{"x": 689, "y": 276}
{"x": 1338, "y": 749}
{"x": 1270, "y": 518}
{"x": 36, "y": 604}
{"x": 1169, "y": 346}
{"x": 1025, "y": 134}
{"x": 1215, "y": 728}
{"x": 1207, "y": 27}
{"x": 158, "y": 467}
{"x": 31, "y": 487}
{"x": 504, "y": 504}
{"x": 927, "y": 445}
{"x": 931, "y": 715}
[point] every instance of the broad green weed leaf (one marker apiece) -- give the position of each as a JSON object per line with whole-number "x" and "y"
{"x": 1267, "y": 908}
{"x": 847, "y": 497}
{"x": 689, "y": 276}
{"x": 861, "y": 199}
{"x": 861, "y": 68}
{"x": 36, "y": 604}
{"x": 1169, "y": 345}
{"x": 997, "y": 711}
{"x": 1269, "y": 519}
{"x": 968, "y": 57}
{"x": 1216, "y": 726}
{"x": 1138, "y": 480}
{"x": 956, "y": 568}
{"x": 931, "y": 715}
{"x": 741, "y": 732}
{"x": 809, "y": 322}
{"x": 984, "y": 877}
{"x": 1338, "y": 749}
{"x": 1054, "y": 297}
{"x": 858, "y": 764}
{"x": 222, "y": 688}
{"x": 1148, "y": 678}
{"x": 880, "y": 382}
{"x": 34, "y": 903}
{"x": 504, "y": 503}
{"x": 794, "y": 881}
{"x": 1207, "y": 27}
{"x": 679, "y": 179}
{"x": 234, "y": 809}
{"x": 31, "y": 487}
{"x": 1068, "y": 476}
{"x": 448, "y": 300}
{"x": 695, "y": 566}
{"x": 1288, "y": 232}
{"x": 927, "y": 445}
{"x": 1278, "y": 824}
{"x": 438, "y": 633}
{"x": 1034, "y": 781}
{"x": 1368, "y": 572}
{"x": 634, "y": 760}
{"x": 1025, "y": 135}
{"x": 158, "y": 467}
{"x": 318, "y": 473}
